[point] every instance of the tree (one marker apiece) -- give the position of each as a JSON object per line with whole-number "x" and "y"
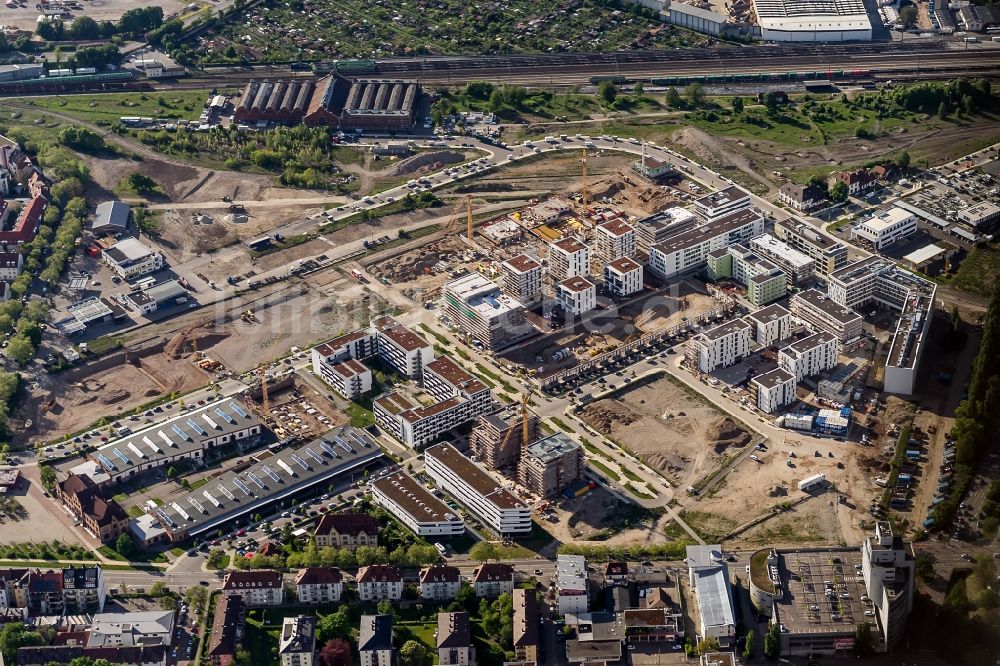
{"x": 749, "y": 644}
{"x": 483, "y": 551}
{"x": 336, "y": 652}
{"x": 171, "y": 472}
{"x": 140, "y": 20}
{"x": 336, "y": 625}
{"x": 47, "y": 476}
{"x": 673, "y": 98}
{"x": 864, "y": 644}
{"x": 837, "y": 192}
{"x": 385, "y": 607}
{"x": 140, "y": 184}
{"x": 20, "y": 349}
{"x": 124, "y": 545}
{"x": 772, "y": 642}
{"x": 707, "y": 645}
{"x": 496, "y": 101}
{"x": 968, "y": 106}
{"x": 84, "y": 27}
{"x": 737, "y": 103}
{"x": 81, "y": 138}
{"x": 607, "y": 91}
{"x": 638, "y": 88}
{"x": 15, "y": 635}
{"x": 903, "y": 160}
{"x": 216, "y": 559}
{"x": 158, "y": 589}
{"x": 413, "y": 653}
{"x": 908, "y": 16}
{"x": 695, "y": 92}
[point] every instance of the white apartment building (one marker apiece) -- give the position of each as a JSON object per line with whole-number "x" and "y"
{"x": 401, "y": 348}
{"x": 774, "y": 390}
{"x": 479, "y": 310}
{"x": 576, "y": 295}
{"x": 297, "y": 641}
{"x": 886, "y": 228}
{"x": 613, "y": 240}
{"x": 827, "y": 254}
{"x": 689, "y": 249}
{"x": 822, "y": 313}
{"x": 360, "y": 344}
{"x": 719, "y": 204}
{"x": 809, "y": 356}
{"x": 414, "y": 506}
{"x": 571, "y": 584}
{"x": 889, "y": 570}
{"x": 568, "y": 258}
{"x": 771, "y": 324}
{"x": 379, "y": 581}
{"x": 440, "y": 582}
{"x": 319, "y": 585}
{"x": 11, "y": 264}
{"x": 132, "y": 629}
{"x": 492, "y": 579}
{"x": 443, "y": 379}
{"x": 720, "y": 347}
{"x": 130, "y": 258}
{"x": 349, "y": 378}
{"x": 375, "y": 641}
{"x": 522, "y": 279}
{"x": 256, "y": 588}
{"x": 623, "y": 277}
{"x": 796, "y": 265}
{"x": 479, "y": 492}
{"x": 657, "y": 228}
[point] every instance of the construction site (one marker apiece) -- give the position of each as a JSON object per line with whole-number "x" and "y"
{"x": 292, "y": 407}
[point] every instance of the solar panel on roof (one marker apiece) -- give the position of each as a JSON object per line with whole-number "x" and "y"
{"x": 329, "y": 449}
{"x": 104, "y": 460}
{"x": 360, "y": 439}
{"x": 197, "y": 428}
{"x": 270, "y": 472}
{"x": 164, "y": 518}
{"x": 211, "y": 498}
{"x": 225, "y": 491}
{"x": 222, "y": 414}
{"x": 239, "y": 410}
{"x": 312, "y": 454}
{"x": 121, "y": 456}
{"x": 177, "y": 507}
{"x": 180, "y": 431}
{"x": 256, "y": 479}
{"x": 298, "y": 459}
{"x": 197, "y": 505}
{"x": 242, "y": 486}
{"x": 344, "y": 445}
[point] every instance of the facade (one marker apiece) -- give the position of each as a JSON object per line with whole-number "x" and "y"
{"x": 623, "y": 277}
{"x": 496, "y": 507}
{"x": 820, "y": 312}
{"x": 297, "y": 641}
{"x": 550, "y": 465}
{"x": 255, "y": 588}
{"x": 656, "y": 229}
{"x": 721, "y": 346}
{"x": 477, "y": 308}
{"x": 443, "y": 379}
{"x": 440, "y": 582}
{"x": 980, "y": 215}
{"x": 802, "y": 197}
{"x": 796, "y": 265}
{"x": 709, "y": 578}
{"x": 809, "y": 356}
{"x": 828, "y": 255}
{"x": 613, "y": 240}
{"x": 73, "y": 590}
{"x": 889, "y": 570}
{"x": 227, "y": 631}
{"x": 131, "y": 629}
{"x": 522, "y": 279}
{"x": 568, "y": 258}
{"x": 576, "y": 295}
{"x": 454, "y": 640}
{"x": 887, "y": 228}
{"x": 857, "y": 181}
{"x": 319, "y": 585}
{"x": 688, "y": 250}
{"x": 350, "y": 378}
{"x": 526, "y": 634}
{"x": 103, "y": 518}
{"x": 401, "y": 348}
{"x": 498, "y": 438}
{"x": 774, "y": 390}
{"x": 346, "y": 530}
{"x": 152, "y": 655}
{"x": 130, "y": 259}
{"x": 571, "y": 584}
{"x": 417, "y": 425}
{"x": 764, "y": 281}
{"x": 770, "y": 325}
{"x": 717, "y": 205}
{"x": 359, "y": 345}
{"x": 11, "y": 264}
{"x": 111, "y": 217}
{"x": 491, "y": 579}
{"x": 379, "y": 581}
{"x": 414, "y": 506}
{"x": 375, "y": 641}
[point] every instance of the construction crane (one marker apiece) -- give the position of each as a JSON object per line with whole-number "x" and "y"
{"x": 264, "y": 400}
{"x": 457, "y": 215}
{"x": 525, "y": 429}
{"x": 584, "y": 195}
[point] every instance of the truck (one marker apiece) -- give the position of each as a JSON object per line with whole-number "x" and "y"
{"x": 812, "y": 483}
{"x": 913, "y": 455}
{"x": 904, "y": 479}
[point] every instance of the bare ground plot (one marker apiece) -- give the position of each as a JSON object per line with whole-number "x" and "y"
{"x": 99, "y": 10}
{"x": 35, "y": 524}
{"x": 424, "y": 270}
{"x": 600, "y": 517}
{"x": 814, "y": 522}
{"x": 550, "y": 173}
{"x": 668, "y": 428}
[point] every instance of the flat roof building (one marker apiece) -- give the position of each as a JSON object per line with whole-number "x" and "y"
{"x": 709, "y": 578}
{"x": 719, "y": 347}
{"x": 657, "y": 228}
{"x": 805, "y": 21}
{"x": 130, "y": 258}
{"x": 522, "y": 279}
{"x": 416, "y": 507}
{"x": 887, "y": 228}
{"x": 478, "y": 308}
{"x": 401, "y": 348}
{"x": 719, "y": 204}
{"x": 775, "y": 389}
{"x": 822, "y": 313}
{"x": 550, "y": 465}
{"x": 623, "y": 277}
{"x": 568, "y": 257}
{"x": 796, "y": 265}
{"x": 770, "y": 324}
{"x": 497, "y": 439}
{"x": 827, "y": 254}
{"x": 576, "y": 295}
{"x": 688, "y": 250}
{"x": 613, "y": 240}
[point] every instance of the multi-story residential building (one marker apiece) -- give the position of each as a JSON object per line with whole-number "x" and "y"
{"x": 417, "y": 425}
{"x": 297, "y": 641}
{"x": 771, "y": 324}
{"x": 375, "y": 641}
{"x": 526, "y": 643}
{"x": 319, "y": 585}
{"x": 103, "y": 518}
{"x": 11, "y": 264}
{"x": 571, "y": 584}
{"x": 491, "y": 579}
{"x": 822, "y": 313}
{"x": 346, "y": 530}
{"x": 549, "y": 465}
{"x": 522, "y": 279}
{"x": 765, "y": 282}
{"x": 454, "y": 640}
{"x": 443, "y": 379}
{"x": 349, "y": 378}
{"x": 828, "y": 255}
{"x": 256, "y": 588}
{"x": 708, "y": 577}
{"x": 568, "y": 257}
{"x": 799, "y": 267}
{"x": 802, "y": 197}
{"x": 379, "y": 581}
{"x": 655, "y": 229}
{"x": 613, "y": 240}
{"x": 401, "y": 348}
{"x": 359, "y": 345}
{"x": 576, "y": 295}
{"x": 414, "y": 506}
{"x": 720, "y": 347}
{"x": 131, "y": 629}
{"x": 73, "y": 590}
{"x": 887, "y": 228}
{"x": 889, "y": 570}
{"x": 616, "y": 573}
{"x": 139, "y": 655}
{"x": 809, "y": 356}
{"x": 129, "y": 258}
{"x": 717, "y": 205}
{"x": 688, "y": 250}
{"x": 227, "y": 631}
{"x": 857, "y": 181}
{"x": 623, "y": 277}
{"x": 498, "y": 438}
{"x": 775, "y": 389}
{"x": 479, "y": 310}
{"x": 496, "y": 507}
{"x": 440, "y": 582}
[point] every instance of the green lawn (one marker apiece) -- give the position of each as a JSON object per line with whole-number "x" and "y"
{"x": 980, "y": 271}
{"x": 110, "y": 107}
{"x": 360, "y": 417}
{"x": 261, "y": 638}
{"x": 607, "y": 471}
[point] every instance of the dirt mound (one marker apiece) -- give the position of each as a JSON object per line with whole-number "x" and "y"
{"x": 709, "y": 149}
{"x": 725, "y": 433}
{"x": 205, "y": 337}
{"x": 603, "y": 416}
{"x": 426, "y": 162}
{"x": 421, "y": 261}
{"x": 872, "y": 463}
{"x": 115, "y": 395}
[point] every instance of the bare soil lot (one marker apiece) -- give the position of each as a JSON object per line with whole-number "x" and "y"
{"x": 599, "y": 517}
{"x": 99, "y": 10}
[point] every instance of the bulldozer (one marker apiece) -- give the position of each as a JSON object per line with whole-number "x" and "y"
{"x": 248, "y": 316}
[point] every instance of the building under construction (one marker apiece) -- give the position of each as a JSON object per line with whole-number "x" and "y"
{"x": 550, "y": 465}
{"x": 498, "y": 438}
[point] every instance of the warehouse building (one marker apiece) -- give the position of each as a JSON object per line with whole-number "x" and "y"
{"x": 273, "y": 101}
{"x": 689, "y": 250}
{"x": 414, "y": 506}
{"x": 374, "y": 105}
{"x": 708, "y": 576}
{"x": 477, "y": 308}
{"x": 151, "y": 299}
{"x": 807, "y": 21}
{"x": 550, "y": 465}
{"x": 828, "y": 255}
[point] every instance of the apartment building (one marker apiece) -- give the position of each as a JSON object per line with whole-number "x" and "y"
{"x": 857, "y": 181}
{"x": 401, "y": 348}
{"x": 350, "y": 378}
{"x": 479, "y": 310}
{"x": 297, "y": 641}
{"x": 822, "y": 313}
{"x": 799, "y": 267}
{"x": 802, "y": 197}
{"x": 454, "y": 640}
{"x": 809, "y": 356}
{"x": 440, "y": 582}
{"x": 346, "y": 530}
{"x": 497, "y": 439}
{"x": 359, "y": 345}
{"x": 828, "y": 255}
{"x": 764, "y": 281}
{"x": 550, "y": 465}
{"x": 73, "y": 590}
{"x": 443, "y": 379}
{"x": 319, "y": 585}
{"x": 375, "y": 641}
{"x": 571, "y": 584}
{"x": 774, "y": 390}
{"x": 909, "y": 341}
{"x": 689, "y": 250}
{"x": 717, "y": 205}
{"x": 132, "y": 629}
{"x": 770, "y": 324}
{"x": 568, "y": 257}
{"x": 657, "y": 228}
{"x": 889, "y": 571}
{"x": 103, "y": 518}
{"x": 414, "y": 506}
{"x": 130, "y": 258}
{"x": 491, "y": 579}
{"x": 613, "y": 240}
{"x": 719, "y": 347}
{"x": 522, "y": 279}
{"x": 255, "y": 588}
{"x": 227, "y": 631}
{"x": 379, "y": 581}
{"x": 887, "y": 228}
{"x": 623, "y": 277}
{"x": 416, "y": 425}
{"x": 576, "y": 296}
{"x": 526, "y": 633}
{"x": 479, "y": 492}
{"x": 11, "y": 264}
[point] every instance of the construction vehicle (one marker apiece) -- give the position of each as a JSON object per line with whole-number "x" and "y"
{"x": 248, "y": 316}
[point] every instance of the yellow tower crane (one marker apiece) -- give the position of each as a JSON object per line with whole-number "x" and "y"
{"x": 525, "y": 429}
{"x": 264, "y": 399}
{"x": 584, "y": 195}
